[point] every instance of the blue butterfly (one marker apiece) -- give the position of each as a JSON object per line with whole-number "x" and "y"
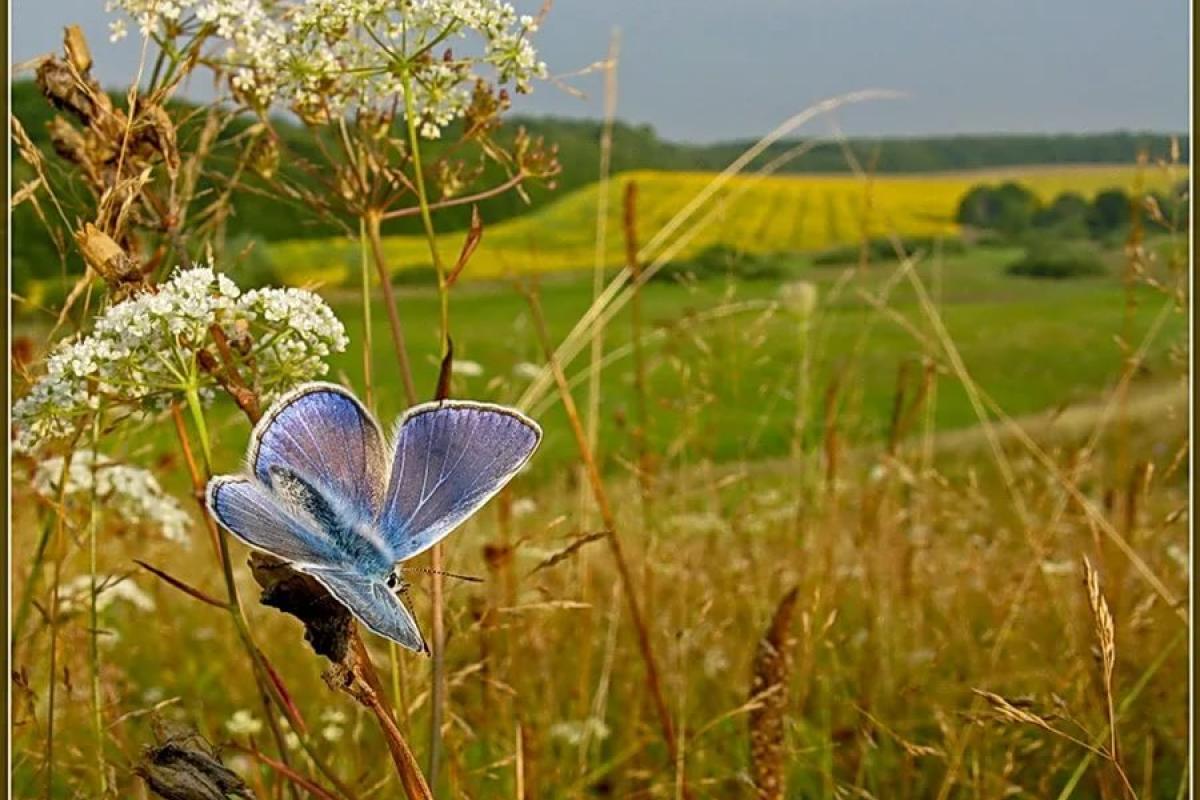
{"x": 321, "y": 494}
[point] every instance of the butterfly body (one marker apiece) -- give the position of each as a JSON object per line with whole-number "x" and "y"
{"x": 320, "y": 492}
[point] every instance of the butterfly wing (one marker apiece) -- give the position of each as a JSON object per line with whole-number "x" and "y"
{"x": 321, "y": 430}
{"x": 256, "y": 516}
{"x": 450, "y": 458}
{"x": 374, "y": 604}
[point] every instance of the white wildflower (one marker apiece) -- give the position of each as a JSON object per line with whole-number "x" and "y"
{"x": 141, "y": 353}
{"x": 133, "y": 493}
{"x": 323, "y": 58}
{"x": 576, "y": 732}
{"x": 468, "y": 369}
{"x": 1064, "y": 567}
{"x": 527, "y": 370}
{"x": 800, "y": 297}
{"x": 715, "y": 663}
{"x": 116, "y": 30}
{"x": 1180, "y": 556}
{"x": 74, "y": 596}
{"x": 243, "y": 723}
{"x": 333, "y": 716}
{"x": 524, "y": 506}
{"x": 699, "y": 523}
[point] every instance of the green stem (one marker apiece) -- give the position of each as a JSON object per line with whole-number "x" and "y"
{"x": 368, "y": 348}
{"x": 94, "y": 612}
{"x": 436, "y": 587}
{"x": 35, "y": 574}
{"x": 414, "y": 143}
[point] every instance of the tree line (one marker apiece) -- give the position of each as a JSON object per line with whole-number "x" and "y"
{"x": 264, "y": 216}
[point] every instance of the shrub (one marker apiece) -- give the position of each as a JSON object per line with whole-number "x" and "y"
{"x": 1008, "y": 208}
{"x": 882, "y": 249}
{"x": 723, "y": 261}
{"x": 1109, "y": 212}
{"x": 415, "y": 275}
{"x": 1058, "y": 261}
{"x": 1066, "y": 216}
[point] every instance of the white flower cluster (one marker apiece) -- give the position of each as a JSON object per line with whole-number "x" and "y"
{"x": 297, "y": 331}
{"x": 334, "y": 724}
{"x": 141, "y": 353}
{"x": 75, "y": 595}
{"x": 133, "y": 493}
{"x": 325, "y": 57}
{"x": 244, "y": 723}
{"x": 576, "y": 732}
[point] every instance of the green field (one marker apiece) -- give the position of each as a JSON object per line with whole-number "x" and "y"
{"x": 757, "y": 214}
{"x": 729, "y": 351}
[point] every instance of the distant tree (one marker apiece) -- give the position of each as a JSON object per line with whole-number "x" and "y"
{"x": 1109, "y": 212}
{"x": 1008, "y": 208}
{"x": 1066, "y": 216}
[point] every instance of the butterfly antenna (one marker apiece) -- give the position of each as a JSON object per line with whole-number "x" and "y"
{"x": 428, "y": 571}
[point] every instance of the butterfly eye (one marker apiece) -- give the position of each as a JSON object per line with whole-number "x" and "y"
{"x": 392, "y": 580}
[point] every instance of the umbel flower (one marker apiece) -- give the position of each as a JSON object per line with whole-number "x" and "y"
{"x": 151, "y": 350}
{"x": 133, "y": 493}
{"x": 323, "y": 58}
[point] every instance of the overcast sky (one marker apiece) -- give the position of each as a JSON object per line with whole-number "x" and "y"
{"x": 702, "y": 70}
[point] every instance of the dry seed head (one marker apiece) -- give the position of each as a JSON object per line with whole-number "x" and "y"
{"x": 76, "y": 47}
{"x": 106, "y": 257}
{"x": 772, "y": 668}
{"x": 1009, "y": 712}
{"x": 1102, "y": 619}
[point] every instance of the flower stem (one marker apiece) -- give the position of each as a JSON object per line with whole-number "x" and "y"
{"x": 389, "y": 299}
{"x": 439, "y": 631}
{"x": 94, "y": 612}
{"x": 368, "y": 349}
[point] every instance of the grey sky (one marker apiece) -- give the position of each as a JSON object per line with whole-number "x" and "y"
{"x": 701, "y": 70}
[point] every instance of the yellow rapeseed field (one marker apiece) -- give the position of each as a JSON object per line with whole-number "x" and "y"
{"x": 755, "y": 214}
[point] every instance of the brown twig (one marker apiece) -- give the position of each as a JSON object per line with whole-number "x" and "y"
{"x": 498, "y": 189}
{"x": 289, "y": 773}
{"x": 181, "y": 586}
{"x": 389, "y": 300}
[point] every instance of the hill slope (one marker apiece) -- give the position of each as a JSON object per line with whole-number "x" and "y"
{"x": 756, "y": 215}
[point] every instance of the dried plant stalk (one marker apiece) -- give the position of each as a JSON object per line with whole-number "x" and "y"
{"x": 772, "y": 668}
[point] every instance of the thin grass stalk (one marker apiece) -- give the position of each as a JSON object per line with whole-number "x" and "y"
{"x": 389, "y": 301}
{"x": 645, "y": 647}
{"x": 52, "y": 689}
{"x": 368, "y": 337}
{"x": 437, "y": 583}
{"x": 1126, "y": 703}
{"x": 94, "y": 610}
{"x": 600, "y": 252}
{"x": 53, "y": 523}
{"x": 640, "y": 390}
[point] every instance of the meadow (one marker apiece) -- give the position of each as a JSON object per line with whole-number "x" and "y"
{"x": 897, "y": 527}
{"x": 924, "y": 563}
{"x": 756, "y": 213}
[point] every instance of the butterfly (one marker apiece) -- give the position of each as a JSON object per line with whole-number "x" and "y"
{"x": 321, "y": 493}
